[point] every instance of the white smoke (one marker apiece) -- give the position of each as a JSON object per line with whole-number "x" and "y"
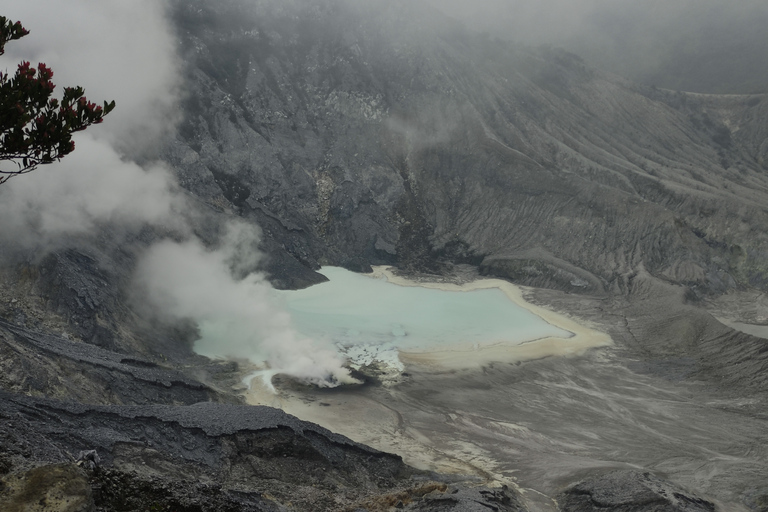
{"x": 91, "y": 187}
{"x": 119, "y": 51}
{"x": 116, "y": 50}
{"x": 238, "y": 318}
{"x": 125, "y": 51}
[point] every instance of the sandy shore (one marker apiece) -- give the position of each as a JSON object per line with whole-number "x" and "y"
{"x": 541, "y": 423}
{"x": 472, "y": 355}
{"x": 371, "y": 416}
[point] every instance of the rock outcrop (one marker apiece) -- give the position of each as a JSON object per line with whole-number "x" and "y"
{"x": 205, "y": 456}
{"x": 625, "y": 491}
{"x": 409, "y": 140}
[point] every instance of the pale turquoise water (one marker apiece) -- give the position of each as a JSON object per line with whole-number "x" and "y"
{"x": 353, "y": 309}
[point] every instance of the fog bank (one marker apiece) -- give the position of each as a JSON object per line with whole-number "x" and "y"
{"x": 697, "y": 45}
{"x": 116, "y": 51}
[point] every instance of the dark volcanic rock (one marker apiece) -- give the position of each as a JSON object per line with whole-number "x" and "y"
{"x": 117, "y": 490}
{"x": 436, "y": 497}
{"x": 43, "y": 364}
{"x": 239, "y": 448}
{"x": 541, "y": 273}
{"x": 78, "y": 289}
{"x": 469, "y": 500}
{"x": 205, "y": 420}
{"x": 630, "y": 491}
{"x": 408, "y": 138}
{"x": 212, "y": 457}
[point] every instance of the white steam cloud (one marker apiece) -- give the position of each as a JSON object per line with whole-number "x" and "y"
{"x": 237, "y": 317}
{"x": 125, "y": 51}
{"x": 89, "y": 188}
{"x": 115, "y": 50}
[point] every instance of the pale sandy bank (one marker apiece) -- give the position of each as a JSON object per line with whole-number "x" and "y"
{"x": 376, "y": 415}
{"x": 471, "y": 355}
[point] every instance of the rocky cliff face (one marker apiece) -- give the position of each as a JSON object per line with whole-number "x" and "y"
{"x": 386, "y": 134}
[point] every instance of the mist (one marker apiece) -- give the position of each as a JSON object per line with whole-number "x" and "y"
{"x": 122, "y": 51}
{"x": 115, "y": 51}
{"x": 125, "y": 51}
{"x": 695, "y": 45}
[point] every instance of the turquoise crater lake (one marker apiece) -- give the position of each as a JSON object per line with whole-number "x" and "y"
{"x": 353, "y": 310}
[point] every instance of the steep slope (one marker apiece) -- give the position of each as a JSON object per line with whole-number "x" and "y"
{"x": 365, "y": 134}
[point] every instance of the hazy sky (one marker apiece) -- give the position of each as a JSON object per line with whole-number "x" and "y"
{"x": 697, "y": 45}
{"x": 119, "y": 50}
{"x": 527, "y": 20}
{"x": 549, "y": 21}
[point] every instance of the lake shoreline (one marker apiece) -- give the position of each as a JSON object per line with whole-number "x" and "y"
{"x": 504, "y": 416}
{"x": 378, "y": 421}
{"x": 472, "y": 355}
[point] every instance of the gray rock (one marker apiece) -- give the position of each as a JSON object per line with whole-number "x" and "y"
{"x": 630, "y": 491}
{"x": 217, "y": 454}
{"x": 411, "y": 139}
{"x": 44, "y": 363}
{"x": 469, "y": 500}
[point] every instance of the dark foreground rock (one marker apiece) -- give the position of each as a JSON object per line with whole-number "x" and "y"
{"x": 39, "y": 363}
{"x": 630, "y": 491}
{"x": 436, "y": 497}
{"x": 59, "y": 487}
{"x": 203, "y": 457}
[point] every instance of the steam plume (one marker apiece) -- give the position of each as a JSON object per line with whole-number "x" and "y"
{"x": 125, "y": 51}
{"x": 115, "y": 50}
{"x": 237, "y": 318}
